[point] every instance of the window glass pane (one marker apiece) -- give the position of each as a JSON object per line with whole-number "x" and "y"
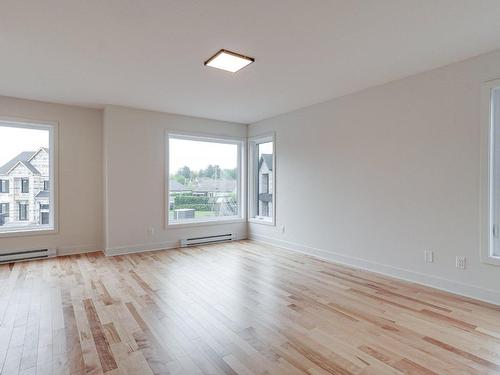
{"x": 24, "y": 168}
{"x": 203, "y": 181}
{"x": 25, "y": 185}
{"x": 4, "y": 186}
{"x": 23, "y": 211}
{"x": 495, "y": 173}
{"x": 264, "y": 173}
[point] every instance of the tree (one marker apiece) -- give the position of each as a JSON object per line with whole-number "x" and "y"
{"x": 212, "y": 171}
{"x": 229, "y": 174}
{"x": 179, "y": 178}
{"x": 184, "y": 171}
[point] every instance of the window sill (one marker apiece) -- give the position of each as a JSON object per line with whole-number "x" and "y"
{"x": 491, "y": 260}
{"x": 255, "y": 220}
{"x": 29, "y": 231}
{"x": 205, "y": 223}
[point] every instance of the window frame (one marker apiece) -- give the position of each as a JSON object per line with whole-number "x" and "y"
{"x": 27, "y": 181}
{"x": 26, "y": 215}
{"x": 253, "y": 179}
{"x": 4, "y": 182}
{"x": 240, "y": 182}
{"x": 486, "y": 183}
{"x": 53, "y": 128}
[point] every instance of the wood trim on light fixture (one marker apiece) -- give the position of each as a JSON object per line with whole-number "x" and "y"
{"x": 229, "y": 53}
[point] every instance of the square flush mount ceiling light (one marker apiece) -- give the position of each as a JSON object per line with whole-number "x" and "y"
{"x": 229, "y": 61}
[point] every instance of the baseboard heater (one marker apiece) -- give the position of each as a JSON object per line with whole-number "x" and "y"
{"x": 20, "y": 256}
{"x": 207, "y": 239}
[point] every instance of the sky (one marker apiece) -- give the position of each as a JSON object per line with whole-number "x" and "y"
{"x": 15, "y": 140}
{"x": 265, "y": 148}
{"x": 195, "y": 154}
{"x": 198, "y": 155}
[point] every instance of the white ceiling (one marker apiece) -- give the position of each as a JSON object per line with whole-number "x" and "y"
{"x": 150, "y": 54}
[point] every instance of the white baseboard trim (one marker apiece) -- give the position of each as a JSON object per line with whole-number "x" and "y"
{"x": 141, "y": 248}
{"x": 77, "y": 249}
{"x": 466, "y": 290}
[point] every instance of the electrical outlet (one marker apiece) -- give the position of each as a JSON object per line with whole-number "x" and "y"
{"x": 461, "y": 262}
{"x": 429, "y": 256}
{"x": 151, "y": 231}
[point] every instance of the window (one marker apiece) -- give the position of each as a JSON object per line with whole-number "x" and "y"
{"x": 490, "y": 246}
{"x": 23, "y": 211}
{"x": 44, "y": 214}
{"x": 4, "y": 213}
{"x": 262, "y": 179}
{"x": 204, "y": 179}
{"x": 265, "y": 183}
{"x": 25, "y": 185}
{"x": 27, "y": 174}
{"x": 4, "y": 186}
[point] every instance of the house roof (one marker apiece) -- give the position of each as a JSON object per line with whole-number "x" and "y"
{"x": 177, "y": 186}
{"x": 23, "y": 158}
{"x": 43, "y": 194}
{"x": 36, "y": 152}
{"x": 210, "y": 185}
{"x": 268, "y": 159}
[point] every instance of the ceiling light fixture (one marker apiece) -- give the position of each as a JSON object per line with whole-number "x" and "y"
{"x": 229, "y": 61}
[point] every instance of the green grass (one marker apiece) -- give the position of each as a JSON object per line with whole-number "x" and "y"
{"x": 197, "y": 214}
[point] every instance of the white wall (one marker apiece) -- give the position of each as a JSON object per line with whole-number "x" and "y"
{"x": 134, "y": 149}
{"x": 80, "y": 176}
{"x": 375, "y": 178}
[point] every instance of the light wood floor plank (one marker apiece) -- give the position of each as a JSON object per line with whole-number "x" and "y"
{"x": 234, "y": 308}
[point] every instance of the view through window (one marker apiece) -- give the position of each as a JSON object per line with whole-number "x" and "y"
{"x": 25, "y": 170}
{"x": 264, "y": 174}
{"x": 261, "y": 179}
{"x": 495, "y": 172}
{"x": 203, "y": 179}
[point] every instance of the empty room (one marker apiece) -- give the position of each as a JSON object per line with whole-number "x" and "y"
{"x": 249, "y": 187}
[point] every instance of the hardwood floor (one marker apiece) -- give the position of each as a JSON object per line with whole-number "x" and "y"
{"x": 234, "y": 308}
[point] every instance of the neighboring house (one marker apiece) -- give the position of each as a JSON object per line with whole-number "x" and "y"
{"x": 24, "y": 189}
{"x": 265, "y": 185}
{"x": 210, "y": 187}
{"x": 175, "y": 188}
{"x": 222, "y": 194}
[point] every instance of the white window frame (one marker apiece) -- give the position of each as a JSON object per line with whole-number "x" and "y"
{"x": 486, "y": 183}
{"x": 241, "y": 180}
{"x": 53, "y": 129}
{"x": 253, "y": 179}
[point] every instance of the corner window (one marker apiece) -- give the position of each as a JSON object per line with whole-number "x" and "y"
{"x": 26, "y": 174}
{"x": 262, "y": 180}
{"x": 495, "y": 172}
{"x": 204, "y": 179}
